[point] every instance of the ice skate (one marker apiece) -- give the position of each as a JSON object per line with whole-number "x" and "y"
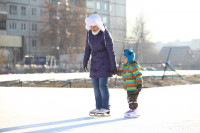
{"x": 132, "y": 113}
{"x": 103, "y": 112}
{"x": 93, "y": 112}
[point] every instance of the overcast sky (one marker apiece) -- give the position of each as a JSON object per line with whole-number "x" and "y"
{"x": 168, "y": 20}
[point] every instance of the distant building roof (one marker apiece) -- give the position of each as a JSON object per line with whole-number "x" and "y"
{"x": 176, "y": 51}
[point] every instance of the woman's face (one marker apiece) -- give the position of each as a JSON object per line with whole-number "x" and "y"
{"x": 94, "y": 28}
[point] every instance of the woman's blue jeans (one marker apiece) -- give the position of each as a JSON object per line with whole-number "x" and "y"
{"x": 101, "y": 92}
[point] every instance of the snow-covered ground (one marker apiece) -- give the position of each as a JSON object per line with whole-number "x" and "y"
{"x": 174, "y": 109}
{"x": 83, "y": 75}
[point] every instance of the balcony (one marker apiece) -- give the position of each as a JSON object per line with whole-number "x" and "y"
{"x": 3, "y": 7}
{"x": 3, "y": 17}
{"x": 3, "y": 13}
{"x": 2, "y": 1}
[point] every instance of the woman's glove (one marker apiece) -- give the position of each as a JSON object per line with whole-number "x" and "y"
{"x": 85, "y": 68}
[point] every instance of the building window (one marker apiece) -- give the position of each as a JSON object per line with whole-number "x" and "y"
{"x": 41, "y": 12}
{"x": 89, "y": 3}
{"x": 2, "y": 24}
{"x": 23, "y": 26}
{"x": 105, "y": 6}
{"x": 98, "y": 5}
{"x": 104, "y": 20}
{"x": 13, "y": 9}
{"x": 110, "y": 8}
{"x": 23, "y": 10}
{"x": 73, "y": 3}
{"x": 41, "y": 27}
{"x": 34, "y": 43}
{"x": 34, "y": 11}
{"x": 34, "y": 27}
{"x": 13, "y": 26}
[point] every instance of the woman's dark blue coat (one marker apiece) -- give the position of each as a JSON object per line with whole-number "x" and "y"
{"x": 100, "y": 47}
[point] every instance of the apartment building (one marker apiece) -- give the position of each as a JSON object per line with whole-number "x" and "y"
{"x": 24, "y": 18}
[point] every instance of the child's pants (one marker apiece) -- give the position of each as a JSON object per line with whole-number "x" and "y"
{"x": 132, "y": 99}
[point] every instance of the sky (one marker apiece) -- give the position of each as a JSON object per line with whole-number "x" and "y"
{"x": 168, "y": 20}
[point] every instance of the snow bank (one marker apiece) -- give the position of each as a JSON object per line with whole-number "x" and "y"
{"x": 68, "y": 76}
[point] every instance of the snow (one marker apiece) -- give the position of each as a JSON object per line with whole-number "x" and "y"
{"x": 83, "y": 75}
{"x": 173, "y": 109}
{"x": 44, "y": 76}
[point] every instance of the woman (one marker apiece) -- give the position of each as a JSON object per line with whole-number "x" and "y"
{"x": 100, "y": 45}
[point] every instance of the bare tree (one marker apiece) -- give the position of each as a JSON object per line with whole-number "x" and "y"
{"x": 144, "y": 47}
{"x": 64, "y": 29}
{"x": 49, "y": 32}
{"x": 2, "y": 57}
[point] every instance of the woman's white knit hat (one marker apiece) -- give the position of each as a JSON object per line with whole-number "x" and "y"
{"x": 94, "y": 20}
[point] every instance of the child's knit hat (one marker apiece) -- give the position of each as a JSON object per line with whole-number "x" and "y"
{"x": 129, "y": 54}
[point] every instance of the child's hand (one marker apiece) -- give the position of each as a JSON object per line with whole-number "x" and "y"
{"x": 139, "y": 87}
{"x": 114, "y": 71}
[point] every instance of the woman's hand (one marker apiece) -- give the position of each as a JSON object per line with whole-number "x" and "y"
{"x": 85, "y": 68}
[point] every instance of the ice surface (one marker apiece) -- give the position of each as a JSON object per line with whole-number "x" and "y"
{"x": 173, "y": 109}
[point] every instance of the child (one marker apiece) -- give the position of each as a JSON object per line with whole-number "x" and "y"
{"x": 132, "y": 81}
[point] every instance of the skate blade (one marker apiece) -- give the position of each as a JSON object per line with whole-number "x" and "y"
{"x": 131, "y": 117}
{"x": 93, "y": 114}
{"x": 103, "y": 114}
{"x": 100, "y": 115}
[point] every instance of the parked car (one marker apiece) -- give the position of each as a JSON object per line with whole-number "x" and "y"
{"x": 4, "y": 71}
{"x": 144, "y": 69}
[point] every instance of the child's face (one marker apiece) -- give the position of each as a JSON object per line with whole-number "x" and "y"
{"x": 125, "y": 60}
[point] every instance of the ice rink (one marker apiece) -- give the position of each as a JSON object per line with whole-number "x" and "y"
{"x": 174, "y": 109}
